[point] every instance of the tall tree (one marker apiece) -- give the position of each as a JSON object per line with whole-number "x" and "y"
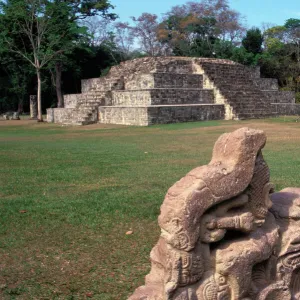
{"x": 281, "y": 57}
{"x": 69, "y": 13}
{"x": 195, "y": 26}
{"x": 26, "y": 31}
{"x": 253, "y": 41}
{"x": 293, "y": 34}
{"x": 144, "y": 31}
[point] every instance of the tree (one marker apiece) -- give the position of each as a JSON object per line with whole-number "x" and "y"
{"x": 26, "y": 32}
{"x": 189, "y": 35}
{"x": 44, "y": 32}
{"x": 275, "y": 38}
{"x": 193, "y": 28}
{"x": 99, "y": 30}
{"x": 19, "y": 76}
{"x": 144, "y": 31}
{"x": 123, "y": 39}
{"x": 293, "y": 34}
{"x": 281, "y": 56}
{"x": 15, "y": 77}
{"x": 69, "y": 13}
{"x": 253, "y": 40}
{"x": 74, "y": 36}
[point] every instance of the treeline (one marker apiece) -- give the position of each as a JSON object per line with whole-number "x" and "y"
{"x": 47, "y": 46}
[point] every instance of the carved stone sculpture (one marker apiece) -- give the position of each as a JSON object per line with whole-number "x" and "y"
{"x": 33, "y": 107}
{"x": 15, "y": 116}
{"x": 224, "y": 234}
{"x": 11, "y": 115}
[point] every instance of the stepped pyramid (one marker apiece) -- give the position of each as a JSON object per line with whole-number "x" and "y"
{"x": 156, "y": 90}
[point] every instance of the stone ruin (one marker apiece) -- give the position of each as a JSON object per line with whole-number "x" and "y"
{"x": 155, "y": 90}
{"x": 33, "y": 107}
{"x": 11, "y": 115}
{"x": 224, "y": 233}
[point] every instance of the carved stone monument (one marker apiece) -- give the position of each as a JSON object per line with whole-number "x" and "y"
{"x": 16, "y": 116}
{"x": 224, "y": 234}
{"x": 157, "y": 90}
{"x": 33, "y": 107}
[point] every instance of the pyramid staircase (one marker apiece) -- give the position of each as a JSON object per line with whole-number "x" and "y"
{"x": 170, "y": 89}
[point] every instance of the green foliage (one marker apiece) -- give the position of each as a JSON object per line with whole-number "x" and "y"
{"x": 244, "y": 57}
{"x": 293, "y": 28}
{"x": 281, "y": 58}
{"x": 40, "y": 34}
{"x": 253, "y": 40}
{"x": 297, "y": 98}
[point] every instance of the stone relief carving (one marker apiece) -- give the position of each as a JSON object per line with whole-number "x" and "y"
{"x": 225, "y": 234}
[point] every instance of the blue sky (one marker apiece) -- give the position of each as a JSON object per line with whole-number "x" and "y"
{"x": 255, "y": 11}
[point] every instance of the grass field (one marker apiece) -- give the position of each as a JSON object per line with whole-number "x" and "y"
{"x": 68, "y": 195}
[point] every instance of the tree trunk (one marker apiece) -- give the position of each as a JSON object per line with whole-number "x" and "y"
{"x": 60, "y": 97}
{"x": 39, "y": 96}
{"x": 20, "y": 105}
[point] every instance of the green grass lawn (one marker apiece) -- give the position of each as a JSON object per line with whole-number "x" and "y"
{"x": 68, "y": 195}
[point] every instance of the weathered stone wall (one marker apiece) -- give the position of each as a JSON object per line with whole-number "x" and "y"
{"x": 253, "y": 72}
{"x": 71, "y": 100}
{"x": 163, "y": 80}
{"x": 162, "y": 97}
{"x": 234, "y": 86}
{"x": 150, "y": 115}
{"x": 96, "y": 98}
{"x": 174, "y": 65}
{"x": 123, "y": 115}
{"x": 60, "y": 115}
{"x": 280, "y": 96}
{"x": 102, "y": 84}
{"x": 285, "y": 109}
{"x": 153, "y": 65}
{"x": 50, "y": 115}
{"x": 188, "y": 113}
{"x": 71, "y": 116}
{"x": 266, "y": 83}
{"x": 227, "y": 74}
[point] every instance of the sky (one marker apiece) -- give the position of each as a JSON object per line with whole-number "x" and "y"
{"x": 256, "y": 12}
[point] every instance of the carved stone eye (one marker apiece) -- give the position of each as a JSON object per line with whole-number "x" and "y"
{"x": 222, "y": 280}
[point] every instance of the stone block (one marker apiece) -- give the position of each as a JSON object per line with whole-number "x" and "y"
{"x": 163, "y": 80}
{"x": 33, "y": 107}
{"x": 71, "y": 100}
{"x": 280, "y": 96}
{"x": 267, "y": 84}
{"x": 166, "y": 96}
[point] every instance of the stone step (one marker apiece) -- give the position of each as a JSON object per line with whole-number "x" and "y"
{"x": 163, "y": 80}
{"x": 160, "y": 114}
{"x": 280, "y": 96}
{"x": 88, "y": 106}
{"x": 172, "y": 96}
{"x": 102, "y": 84}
